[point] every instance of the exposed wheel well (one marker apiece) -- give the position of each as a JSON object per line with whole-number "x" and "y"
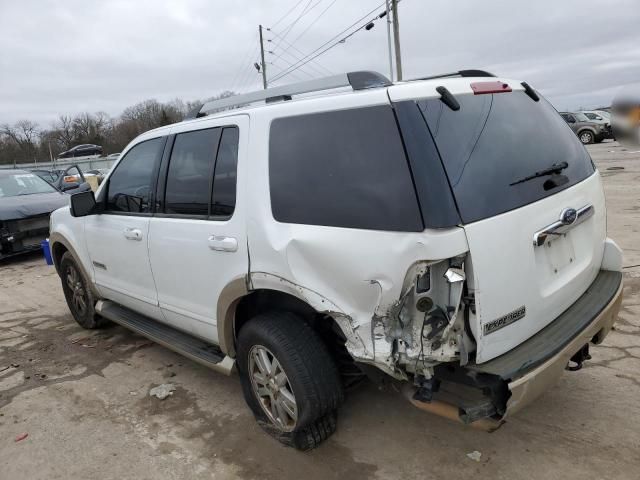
{"x": 57, "y": 252}
{"x": 262, "y": 301}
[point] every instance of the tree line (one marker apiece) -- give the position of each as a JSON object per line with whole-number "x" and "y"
{"x": 26, "y": 142}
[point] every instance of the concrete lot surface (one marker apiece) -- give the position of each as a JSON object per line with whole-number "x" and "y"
{"x": 83, "y": 399}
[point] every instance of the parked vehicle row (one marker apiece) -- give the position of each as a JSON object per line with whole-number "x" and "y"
{"x": 587, "y": 129}
{"x": 412, "y": 245}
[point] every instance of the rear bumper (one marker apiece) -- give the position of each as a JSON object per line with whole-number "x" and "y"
{"x": 534, "y": 366}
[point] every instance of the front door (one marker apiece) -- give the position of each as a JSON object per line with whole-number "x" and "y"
{"x": 197, "y": 239}
{"x": 117, "y": 238}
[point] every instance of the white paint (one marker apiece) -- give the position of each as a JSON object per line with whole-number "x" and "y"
{"x": 356, "y": 276}
{"x": 510, "y": 272}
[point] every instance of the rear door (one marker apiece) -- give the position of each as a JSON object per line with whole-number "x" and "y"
{"x": 491, "y": 149}
{"x": 197, "y": 239}
{"x": 117, "y": 239}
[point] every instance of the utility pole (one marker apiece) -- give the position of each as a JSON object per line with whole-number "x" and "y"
{"x": 396, "y": 39}
{"x": 263, "y": 64}
{"x": 388, "y": 19}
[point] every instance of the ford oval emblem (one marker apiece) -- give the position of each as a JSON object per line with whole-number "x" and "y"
{"x": 568, "y": 216}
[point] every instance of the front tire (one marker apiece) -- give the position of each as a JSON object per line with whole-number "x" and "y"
{"x": 289, "y": 379}
{"x": 586, "y": 137}
{"x": 79, "y": 296}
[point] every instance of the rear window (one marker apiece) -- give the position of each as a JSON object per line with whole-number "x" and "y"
{"x": 495, "y": 140}
{"x": 342, "y": 169}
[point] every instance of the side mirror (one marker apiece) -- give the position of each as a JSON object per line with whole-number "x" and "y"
{"x": 82, "y": 204}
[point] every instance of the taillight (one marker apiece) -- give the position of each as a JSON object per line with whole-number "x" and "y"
{"x": 480, "y": 88}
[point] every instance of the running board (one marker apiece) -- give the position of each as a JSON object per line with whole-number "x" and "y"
{"x": 191, "y": 347}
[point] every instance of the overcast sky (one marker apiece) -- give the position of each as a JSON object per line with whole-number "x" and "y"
{"x": 65, "y": 57}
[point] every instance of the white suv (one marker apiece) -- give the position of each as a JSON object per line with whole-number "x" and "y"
{"x": 448, "y": 233}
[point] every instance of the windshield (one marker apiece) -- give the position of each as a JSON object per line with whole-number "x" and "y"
{"x": 581, "y": 117}
{"x": 23, "y": 184}
{"x": 495, "y": 140}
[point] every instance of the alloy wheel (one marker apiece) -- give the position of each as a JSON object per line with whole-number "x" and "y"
{"x": 272, "y": 388}
{"x": 78, "y": 293}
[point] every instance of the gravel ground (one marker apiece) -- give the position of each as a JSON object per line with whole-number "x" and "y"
{"x": 82, "y": 397}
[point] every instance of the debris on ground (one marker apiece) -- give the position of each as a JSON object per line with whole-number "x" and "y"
{"x": 615, "y": 168}
{"x": 21, "y": 437}
{"x": 162, "y": 391}
{"x": 475, "y": 455}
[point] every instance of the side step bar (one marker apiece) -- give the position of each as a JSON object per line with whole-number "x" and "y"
{"x": 191, "y": 347}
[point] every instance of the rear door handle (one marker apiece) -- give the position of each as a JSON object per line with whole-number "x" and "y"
{"x": 132, "y": 234}
{"x": 223, "y": 244}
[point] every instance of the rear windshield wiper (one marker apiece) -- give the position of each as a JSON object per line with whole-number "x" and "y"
{"x": 553, "y": 169}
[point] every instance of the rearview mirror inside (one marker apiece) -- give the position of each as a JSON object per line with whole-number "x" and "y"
{"x": 83, "y": 204}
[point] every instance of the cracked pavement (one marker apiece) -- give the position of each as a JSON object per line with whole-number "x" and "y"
{"x": 82, "y": 397}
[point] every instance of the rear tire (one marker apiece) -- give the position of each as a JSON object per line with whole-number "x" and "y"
{"x": 586, "y": 137}
{"x": 79, "y": 296}
{"x": 289, "y": 379}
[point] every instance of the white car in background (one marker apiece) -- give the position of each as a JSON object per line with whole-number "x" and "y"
{"x": 597, "y": 116}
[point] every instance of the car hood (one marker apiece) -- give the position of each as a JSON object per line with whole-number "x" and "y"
{"x": 24, "y": 206}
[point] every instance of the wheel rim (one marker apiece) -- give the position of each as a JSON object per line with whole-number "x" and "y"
{"x": 585, "y": 138}
{"x": 272, "y": 388}
{"x": 78, "y": 293}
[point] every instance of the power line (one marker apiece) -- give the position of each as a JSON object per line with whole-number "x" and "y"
{"x": 321, "y": 50}
{"x": 249, "y": 68}
{"x": 291, "y": 44}
{"x": 243, "y": 65}
{"x": 300, "y": 52}
{"x": 279, "y": 69}
{"x": 317, "y": 71}
{"x": 288, "y": 64}
{"x": 287, "y": 29}
{"x": 288, "y": 12}
{"x": 322, "y": 70}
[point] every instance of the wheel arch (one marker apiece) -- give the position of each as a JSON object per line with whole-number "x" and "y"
{"x": 59, "y": 245}
{"x": 238, "y": 304}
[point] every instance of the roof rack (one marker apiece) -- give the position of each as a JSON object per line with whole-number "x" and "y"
{"x": 461, "y": 73}
{"x": 361, "y": 80}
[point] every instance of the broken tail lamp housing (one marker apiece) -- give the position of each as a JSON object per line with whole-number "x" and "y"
{"x": 480, "y": 88}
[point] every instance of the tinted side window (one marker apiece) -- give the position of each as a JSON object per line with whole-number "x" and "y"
{"x": 343, "y": 169}
{"x": 190, "y": 170}
{"x": 130, "y": 184}
{"x": 223, "y": 201}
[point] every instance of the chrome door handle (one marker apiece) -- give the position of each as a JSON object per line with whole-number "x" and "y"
{"x": 223, "y": 244}
{"x": 132, "y": 234}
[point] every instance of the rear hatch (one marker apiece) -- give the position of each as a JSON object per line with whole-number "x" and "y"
{"x": 491, "y": 148}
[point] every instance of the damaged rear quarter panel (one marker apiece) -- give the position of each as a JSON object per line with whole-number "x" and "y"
{"x": 358, "y": 274}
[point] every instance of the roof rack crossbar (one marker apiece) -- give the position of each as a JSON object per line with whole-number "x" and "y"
{"x": 356, "y": 80}
{"x": 461, "y": 73}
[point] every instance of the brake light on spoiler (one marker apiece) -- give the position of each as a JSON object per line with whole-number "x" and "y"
{"x": 480, "y": 88}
